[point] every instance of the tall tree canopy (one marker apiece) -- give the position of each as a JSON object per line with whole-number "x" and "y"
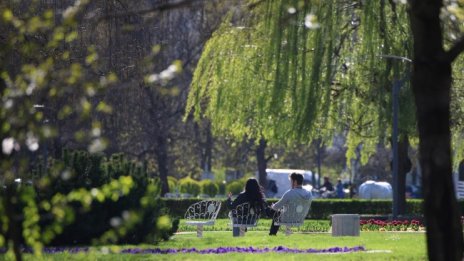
{"x": 294, "y": 70}
{"x": 309, "y": 70}
{"x": 302, "y": 70}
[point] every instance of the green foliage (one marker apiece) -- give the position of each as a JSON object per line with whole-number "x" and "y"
{"x": 172, "y": 183}
{"x": 235, "y": 187}
{"x": 114, "y": 200}
{"x": 190, "y": 186}
{"x": 44, "y": 86}
{"x": 457, "y": 111}
{"x": 286, "y": 82}
{"x": 221, "y": 187}
{"x": 129, "y": 219}
{"x": 209, "y": 187}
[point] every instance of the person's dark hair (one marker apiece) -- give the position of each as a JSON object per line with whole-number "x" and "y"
{"x": 253, "y": 189}
{"x": 297, "y": 177}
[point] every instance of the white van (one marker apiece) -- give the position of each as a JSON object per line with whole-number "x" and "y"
{"x": 278, "y": 181}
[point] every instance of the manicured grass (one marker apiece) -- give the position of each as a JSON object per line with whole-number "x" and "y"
{"x": 378, "y": 245}
{"x": 263, "y": 225}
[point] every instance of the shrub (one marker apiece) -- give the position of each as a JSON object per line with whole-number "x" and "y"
{"x": 235, "y": 187}
{"x": 221, "y": 187}
{"x": 131, "y": 217}
{"x": 190, "y": 186}
{"x": 209, "y": 187}
{"x": 172, "y": 183}
{"x": 321, "y": 208}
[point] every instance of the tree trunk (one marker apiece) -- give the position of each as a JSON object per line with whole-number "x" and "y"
{"x": 162, "y": 158}
{"x": 319, "y": 161}
{"x": 431, "y": 83}
{"x": 205, "y": 145}
{"x": 208, "y": 149}
{"x": 404, "y": 166}
{"x": 262, "y": 162}
{"x": 13, "y": 231}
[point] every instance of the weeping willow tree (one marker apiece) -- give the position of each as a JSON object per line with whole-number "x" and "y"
{"x": 294, "y": 71}
{"x": 377, "y": 68}
{"x": 261, "y": 75}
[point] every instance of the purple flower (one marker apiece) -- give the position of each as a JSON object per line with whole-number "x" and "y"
{"x": 219, "y": 250}
{"x": 251, "y": 249}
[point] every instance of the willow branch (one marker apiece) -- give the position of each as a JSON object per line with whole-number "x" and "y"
{"x": 255, "y": 4}
{"x": 157, "y": 8}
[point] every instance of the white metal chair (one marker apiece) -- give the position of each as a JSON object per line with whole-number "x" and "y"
{"x": 203, "y": 213}
{"x": 243, "y": 216}
{"x": 172, "y": 195}
{"x": 292, "y": 214}
{"x": 459, "y": 189}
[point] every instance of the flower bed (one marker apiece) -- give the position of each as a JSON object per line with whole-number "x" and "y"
{"x": 225, "y": 250}
{"x": 218, "y": 250}
{"x": 395, "y": 225}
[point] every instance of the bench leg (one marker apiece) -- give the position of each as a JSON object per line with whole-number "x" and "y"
{"x": 199, "y": 230}
{"x": 242, "y": 231}
{"x": 288, "y": 231}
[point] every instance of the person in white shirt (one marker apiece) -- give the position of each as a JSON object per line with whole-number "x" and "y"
{"x": 297, "y": 192}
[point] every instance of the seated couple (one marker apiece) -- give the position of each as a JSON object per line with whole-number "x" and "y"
{"x": 255, "y": 197}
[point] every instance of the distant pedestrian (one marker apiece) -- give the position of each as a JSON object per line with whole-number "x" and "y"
{"x": 339, "y": 189}
{"x": 327, "y": 186}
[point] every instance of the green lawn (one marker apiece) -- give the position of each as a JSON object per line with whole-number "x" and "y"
{"x": 263, "y": 225}
{"x": 378, "y": 245}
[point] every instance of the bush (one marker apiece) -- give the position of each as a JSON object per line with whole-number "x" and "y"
{"x": 129, "y": 218}
{"x": 190, "y": 186}
{"x": 235, "y": 187}
{"x": 221, "y": 187}
{"x": 172, "y": 183}
{"x": 209, "y": 187}
{"x": 320, "y": 208}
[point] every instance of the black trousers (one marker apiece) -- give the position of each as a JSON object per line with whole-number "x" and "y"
{"x": 274, "y": 228}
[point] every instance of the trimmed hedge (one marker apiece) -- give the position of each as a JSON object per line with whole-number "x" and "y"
{"x": 320, "y": 208}
{"x": 190, "y": 186}
{"x": 235, "y": 187}
{"x": 209, "y": 187}
{"x": 122, "y": 219}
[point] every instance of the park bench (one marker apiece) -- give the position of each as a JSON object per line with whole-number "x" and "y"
{"x": 244, "y": 216}
{"x": 292, "y": 214}
{"x": 203, "y": 213}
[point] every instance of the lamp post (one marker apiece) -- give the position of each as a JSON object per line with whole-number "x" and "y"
{"x": 395, "y": 108}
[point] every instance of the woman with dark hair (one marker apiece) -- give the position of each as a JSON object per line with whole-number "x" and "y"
{"x": 252, "y": 194}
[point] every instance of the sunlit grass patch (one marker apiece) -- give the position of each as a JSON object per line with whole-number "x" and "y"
{"x": 377, "y": 246}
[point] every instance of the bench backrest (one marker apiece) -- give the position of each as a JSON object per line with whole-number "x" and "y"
{"x": 244, "y": 214}
{"x": 292, "y": 213}
{"x": 203, "y": 210}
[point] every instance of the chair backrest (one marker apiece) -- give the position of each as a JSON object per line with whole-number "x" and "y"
{"x": 244, "y": 214}
{"x": 460, "y": 189}
{"x": 292, "y": 213}
{"x": 203, "y": 210}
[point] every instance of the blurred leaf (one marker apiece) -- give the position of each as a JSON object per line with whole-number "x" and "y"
{"x": 7, "y": 15}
